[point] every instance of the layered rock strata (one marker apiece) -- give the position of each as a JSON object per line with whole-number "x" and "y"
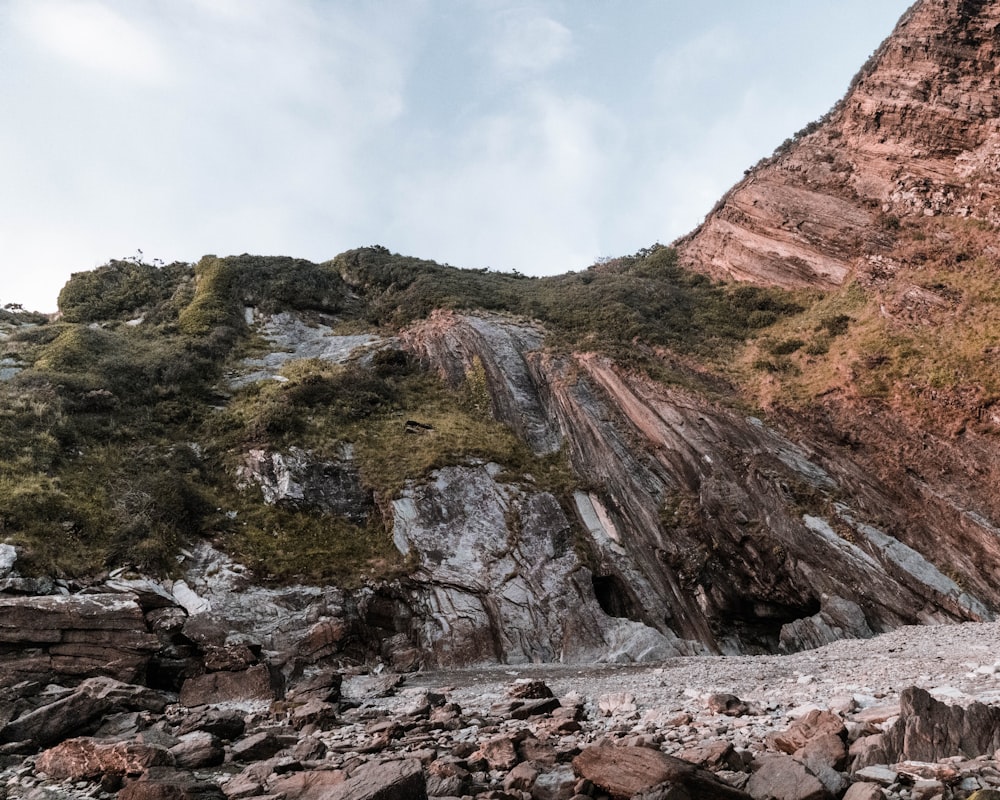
{"x": 916, "y": 134}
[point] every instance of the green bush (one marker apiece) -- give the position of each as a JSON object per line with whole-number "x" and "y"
{"x": 120, "y": 290}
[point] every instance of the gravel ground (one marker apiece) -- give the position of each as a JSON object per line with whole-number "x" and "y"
{"x": 957, "y": 663}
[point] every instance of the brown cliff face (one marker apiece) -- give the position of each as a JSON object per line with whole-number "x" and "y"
{"x": 918, "y": 134}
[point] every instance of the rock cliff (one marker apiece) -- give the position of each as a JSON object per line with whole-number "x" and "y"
{"x": 261, "y": 465}
{"x": 708, "y": 524}
{"x": 916, "y": 134}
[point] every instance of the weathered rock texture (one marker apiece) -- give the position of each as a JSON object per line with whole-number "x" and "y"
{"x": 78, "y": 635}
{"x": 700, "y": 522}
{"x": 916, "y": 134}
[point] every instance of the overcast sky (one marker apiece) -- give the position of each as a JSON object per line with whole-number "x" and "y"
{"x": 535, "y": 135}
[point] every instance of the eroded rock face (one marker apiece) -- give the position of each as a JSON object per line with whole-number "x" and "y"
{"x": 300, "y": 480}
{"x": 705, "y": 524}
{"x": 73, "y": 635}
{"x": 499, "y": 580}
{"x": 916, "y": 134}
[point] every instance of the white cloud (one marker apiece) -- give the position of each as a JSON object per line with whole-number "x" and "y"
{"x": 528, "y": 43}
{"x": 526, "y": 186}
{"x": 95, "y": 37}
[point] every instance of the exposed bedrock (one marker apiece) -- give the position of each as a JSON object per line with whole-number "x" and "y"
{"x": 916, "y": 134}
{"x": 707, "y": 524}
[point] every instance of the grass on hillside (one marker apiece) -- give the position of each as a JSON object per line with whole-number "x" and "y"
{"x": 113, "y": 450}
{"x": 920, "y": 332}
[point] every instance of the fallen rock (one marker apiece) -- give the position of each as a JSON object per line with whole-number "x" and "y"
{"x": 166, "y": 783}
{"x": 227, "y": 724}
{"x": 865, "y": 791}
{"x": 929, "y": 730}
{"x": 392, "y": 780}
{"x": 198, "y": 749}
{"x": 225, "y": 687}
{"x": 75, "y": 713}
{"x": 728, "y": 704}
{"x": 257, "y": 747}
{"x": 813, "y": 725}
{"x": 781, "y": 777}
{"x": 311, "y": 785}
{"x": 627, "y": 771}
{"x": 90, "y": 760}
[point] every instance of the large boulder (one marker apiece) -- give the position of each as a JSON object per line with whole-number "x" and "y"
{"x": 89, "y": 759}
{"x": 628, "y": 771}
{"x": 391, "y": 780}
{"x": 80, "y": 711}
{"x": 929, "y": 730}
{"x": 54, "y": 637}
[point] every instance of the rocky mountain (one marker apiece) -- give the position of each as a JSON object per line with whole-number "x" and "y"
{"x": 916, "y": 134}
{"x": 779, "y": 433}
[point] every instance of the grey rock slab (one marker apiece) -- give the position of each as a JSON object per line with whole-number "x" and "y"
{"x": 391, "y": 780}
{"x": 782, "y": 777}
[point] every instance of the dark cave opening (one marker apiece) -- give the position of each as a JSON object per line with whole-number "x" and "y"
{"x": 757, "y": 624}
{"x": 614, "y": 599}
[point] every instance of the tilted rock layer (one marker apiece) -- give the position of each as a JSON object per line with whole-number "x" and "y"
{"x": 918, "y": 133}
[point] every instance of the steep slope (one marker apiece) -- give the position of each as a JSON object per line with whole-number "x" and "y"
{"x": 712, "y": 525}
{"x": 917, "y": 134}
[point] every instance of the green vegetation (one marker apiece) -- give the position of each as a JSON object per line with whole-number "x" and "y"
{"x": 922, "y": 342}
{"x": 116, "y": 446}
{"x": 646, "y": 296}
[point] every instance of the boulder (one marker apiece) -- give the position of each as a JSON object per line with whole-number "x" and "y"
{"x": 865, "y": 791}
{"x": 198, "y": 749}
{"x": 323, "y": 686}
{"x": 226, "y": 687}
{"x": 257, "y": 747}
{"x": 929, "y": 730}
{"x": 391, "y": 780}
{"x": 78, "y": 711}
{"x": 837, "y": 619}
{"x": 628, "y": 771}
{"x": 781, "y": 777}
{"x": 90, "y": 760}
{"x": 812, "y": 726}
{"x": 227, "y": 724}
{"x": 311, "y": 785}
{"x": 167, "y": 783}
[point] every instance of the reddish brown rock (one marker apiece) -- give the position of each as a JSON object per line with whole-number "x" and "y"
{"x": 499, "y": 752}
{"x": 90, "y": 760}
{"x": 224, "y": 687}
{"x": 392, "y": 780}
{"x": 812, "y": 726}
{"x": 166, "y": 783}
{"x": 322, "y": 639}
{"x": 626, "y": 771}
{"x": 929, "y": 730}
{"x": 312, "y": 785}
{"x": 728, "y": 704}
{"x": 714, "y": 755}
{"x": 75, "y": 636}
{"x": 864, "y": 791}
{"x": 913, "y": 136}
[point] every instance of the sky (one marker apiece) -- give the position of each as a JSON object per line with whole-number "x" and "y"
{"x": 528, "y": 135}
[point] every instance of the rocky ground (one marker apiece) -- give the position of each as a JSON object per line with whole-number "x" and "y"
{"x": 854, "y": 718}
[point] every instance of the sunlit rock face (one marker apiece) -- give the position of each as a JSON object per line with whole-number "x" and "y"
{"x": 916, "y": 134}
